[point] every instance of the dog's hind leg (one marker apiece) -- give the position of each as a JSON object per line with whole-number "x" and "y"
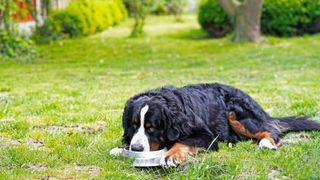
{"x": 266, "y": 138}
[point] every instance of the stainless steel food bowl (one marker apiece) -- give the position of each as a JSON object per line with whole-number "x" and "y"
{"x": 145, "y": 159}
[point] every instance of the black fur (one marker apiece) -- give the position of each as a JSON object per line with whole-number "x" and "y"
{"x": 196, "y": 114}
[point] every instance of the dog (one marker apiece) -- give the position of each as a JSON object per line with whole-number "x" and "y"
{"x": 196, "y": 117}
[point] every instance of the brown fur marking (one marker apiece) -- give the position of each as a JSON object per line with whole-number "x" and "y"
{"x": 179, "y": 152}
{"x": 154, "y": 146}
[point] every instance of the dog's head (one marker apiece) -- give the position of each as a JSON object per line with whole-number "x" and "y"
{"x": 149, "y": 125}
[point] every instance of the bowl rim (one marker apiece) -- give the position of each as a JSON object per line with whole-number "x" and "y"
{"x": 144, "y": 155}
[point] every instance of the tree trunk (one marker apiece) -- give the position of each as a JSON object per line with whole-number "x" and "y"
{"x": 245, "y": 16}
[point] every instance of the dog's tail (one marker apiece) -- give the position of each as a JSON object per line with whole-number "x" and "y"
{"x": 288, "y": 124}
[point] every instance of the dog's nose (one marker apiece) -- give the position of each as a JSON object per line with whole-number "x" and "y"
{"x": 137, "y": 147}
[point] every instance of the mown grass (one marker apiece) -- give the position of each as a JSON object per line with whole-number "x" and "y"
{"x": 70, "y": 101}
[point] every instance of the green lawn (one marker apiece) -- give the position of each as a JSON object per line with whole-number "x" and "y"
{"x": 61, "y": 114}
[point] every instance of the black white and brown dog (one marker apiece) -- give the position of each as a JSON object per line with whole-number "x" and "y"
{"x": 188, "y": 119}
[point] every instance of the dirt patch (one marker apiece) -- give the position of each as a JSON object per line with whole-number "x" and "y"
{"x": 85, "y": 128}
{"x": 276, "y": 175}
{"x": 295, "y": 138}
{"x": 54, "y": 178}
{"x": 6, "y": 121}
{"x": 36, "y": 167}
{"x": 6, "y": 142}
{"x": 91, "y": 170}
{"x": 35, "y": 143}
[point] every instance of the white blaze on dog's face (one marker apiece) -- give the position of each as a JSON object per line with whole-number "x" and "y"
{"x": 140, "y": 139}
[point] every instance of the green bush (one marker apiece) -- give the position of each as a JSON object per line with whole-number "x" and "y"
{"x": 60, "y": 24}
{"x": 98, "y": 15}
{"x": 290, "y": 17}
{"x": 279, "y": 18}
{"x": 49, "y": 31}
{"x": 71, "y": 25}
{"x": 14, "y": 46}
{"x": 213, "y": 19}
{"x": 81, "y": 17}
{"x": 159, "y": 7}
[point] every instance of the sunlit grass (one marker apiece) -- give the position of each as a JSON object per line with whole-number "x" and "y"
{"x": 70, "y": 100}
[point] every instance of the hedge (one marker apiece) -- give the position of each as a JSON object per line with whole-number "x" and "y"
{"x": 213, "y": 19}
{"x": 81, "y": 18}
{"x": 279, "y": 18}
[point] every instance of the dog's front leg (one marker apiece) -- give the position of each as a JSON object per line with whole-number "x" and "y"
{"x": 182, "y": 150}
{"x": 177, "y": 154}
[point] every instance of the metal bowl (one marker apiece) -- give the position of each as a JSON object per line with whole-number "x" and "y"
{"x": 145, "y": 159}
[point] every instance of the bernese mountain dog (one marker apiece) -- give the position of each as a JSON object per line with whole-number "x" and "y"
{"x": 196, "y": 117}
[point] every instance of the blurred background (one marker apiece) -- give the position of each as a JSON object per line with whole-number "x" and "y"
{"x": 44, "y": 21}
{"x": 67, "y": 68}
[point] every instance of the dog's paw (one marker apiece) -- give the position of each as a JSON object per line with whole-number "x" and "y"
{"x": 267, "y": 143}
{"x": 168, "y": 161}
{"x": 116, "y": 151}
{"x": 176, "y": 155}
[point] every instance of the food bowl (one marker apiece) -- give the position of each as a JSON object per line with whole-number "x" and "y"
{"x": 145, "y": 159}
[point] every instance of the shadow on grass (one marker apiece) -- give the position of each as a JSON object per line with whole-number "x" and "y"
{"x": 193, "y": 34}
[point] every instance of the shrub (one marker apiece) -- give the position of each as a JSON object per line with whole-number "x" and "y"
{"x": 159, "y": 7}
{"x": 81, "y": 17}
{"x": 15, "y": 46}
{"x": 279, "y": 18}
{"x": 49, "y": 31}
{"x": 290, "y": 17}
{"x": 71, "y": 25}
{"x": 60, "y": 24}
{"x": 213, "y": 19}
{"x": 98, "y": 15}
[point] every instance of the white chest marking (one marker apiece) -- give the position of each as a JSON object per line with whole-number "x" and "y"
{"x": 140, "y": 137}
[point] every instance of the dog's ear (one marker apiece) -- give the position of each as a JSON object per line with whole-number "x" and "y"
{"x": 172, "y": 125}
{"x": 173, "y": 133}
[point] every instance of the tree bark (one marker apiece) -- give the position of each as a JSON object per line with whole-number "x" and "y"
{"x": 245, "y": 18}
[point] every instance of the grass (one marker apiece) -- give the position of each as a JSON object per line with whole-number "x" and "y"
{"x": 61, "y": 114}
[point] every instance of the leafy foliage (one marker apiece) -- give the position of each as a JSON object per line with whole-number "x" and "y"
{"x": 173, "y": 7}
{"x": 290, "y": 18}
{"x": 60, "y": 24}
{"x": 12, "y": 43}
{"x": 14, "y": 46}
{"x": 279, "y": 18}
{"x": 159, "y": 7}
{"x": 138, "y": 9}
{"x": 213, "y": 19}
{"x": 82, "y": 17}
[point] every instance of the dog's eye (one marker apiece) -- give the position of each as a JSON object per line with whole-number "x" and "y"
{"x": 147, "y": 125}
{"x": 150, "y": 129}
{"x": 135, "y": 120}
{"x": 135, "y": 123}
